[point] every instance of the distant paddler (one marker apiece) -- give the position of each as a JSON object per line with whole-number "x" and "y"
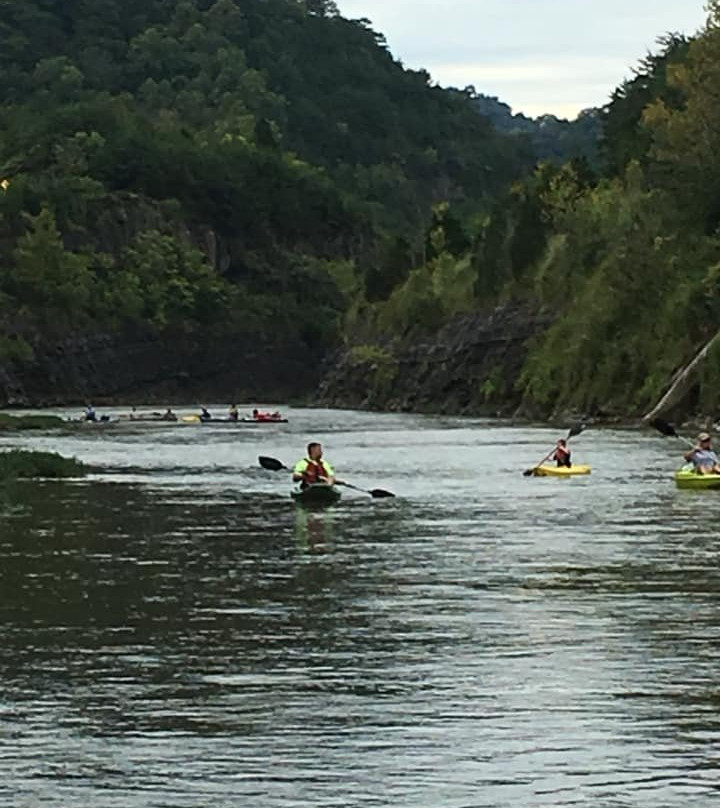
{"x": 90, "y": 414}
{"x": 169, "y": 415}
{"x": 703, "y": 457}
{"x": 234, "y": 413}
{"x": 204, "y": 414}
{"x": 562, "y": 456}
{"x": 313, "y": 469}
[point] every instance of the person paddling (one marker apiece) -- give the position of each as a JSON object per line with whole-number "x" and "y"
{"x": 562, "y": 456}
{"x": 313, "y": 470}
{"x": 233, "y": 413}
{"x": 703, "y": 457}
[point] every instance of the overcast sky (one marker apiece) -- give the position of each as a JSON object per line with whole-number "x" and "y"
{"x": 539, "y": 56}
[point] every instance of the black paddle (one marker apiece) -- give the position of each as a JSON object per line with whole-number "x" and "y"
{"x": 667, "y": 429}
{"x": 272, "y": 464}
{"x": 573, "y": 433}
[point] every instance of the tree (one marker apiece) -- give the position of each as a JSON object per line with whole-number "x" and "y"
{"x": 47, "y": 279}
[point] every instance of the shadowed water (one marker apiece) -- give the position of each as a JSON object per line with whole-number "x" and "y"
{"x": 174, "y": 632}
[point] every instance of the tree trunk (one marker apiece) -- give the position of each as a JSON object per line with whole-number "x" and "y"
{"x": 683, "y": 384}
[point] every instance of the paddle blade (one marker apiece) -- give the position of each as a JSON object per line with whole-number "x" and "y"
{"x": 664, "y": 428}
{"x": 578, "y": 429}
{"x": 271, "y": 464}
{"x": 378, "y": 493}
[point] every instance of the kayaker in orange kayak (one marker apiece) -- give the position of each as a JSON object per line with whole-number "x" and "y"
{"x": 562, "y": 456}
{"x": 703, "y": 458}
{"x": 312, "y": 469}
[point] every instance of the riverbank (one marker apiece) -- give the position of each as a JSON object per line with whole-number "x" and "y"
{"x": 18, "y": 464}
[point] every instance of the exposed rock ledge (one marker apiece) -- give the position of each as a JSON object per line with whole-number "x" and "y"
{"x": 108, "y": 370}
{"x": 469, "y": 367}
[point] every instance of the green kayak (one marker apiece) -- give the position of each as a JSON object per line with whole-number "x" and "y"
{"x": 316, "y": 496}
{"x": 691, "y": 480}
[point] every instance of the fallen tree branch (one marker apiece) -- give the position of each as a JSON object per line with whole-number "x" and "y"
{"x": 684, "y": 381}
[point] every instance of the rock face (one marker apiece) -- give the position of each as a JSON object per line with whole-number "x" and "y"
{"x": 469, "y": 367}
{"x": 144, "y": 367}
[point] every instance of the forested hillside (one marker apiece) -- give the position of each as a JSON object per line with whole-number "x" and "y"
{"x": 256, "y": 191}
{"x": 216, "y": 170}
{"x": 553, "y": 139}
{"x": 617, "y": 264}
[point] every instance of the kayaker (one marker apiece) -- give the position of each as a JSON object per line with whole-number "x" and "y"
{"x": 234, "y": 413}
{"x": 313, "y": 469}
{"x": 90, "y": 414}
{"x": 562, "y": 456}
{"x": 204, "y": 414}
{"x": 169, "y": 415}
{"x": 703, "y": 457}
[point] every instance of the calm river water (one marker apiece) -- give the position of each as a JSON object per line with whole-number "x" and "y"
{"x": 174, "y": 633}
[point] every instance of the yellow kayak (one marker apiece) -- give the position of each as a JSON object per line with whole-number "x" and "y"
{"x": 554, "y": 471}
{"x": 691, "y": 480}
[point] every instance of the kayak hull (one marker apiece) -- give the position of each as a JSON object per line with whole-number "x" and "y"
{"x": 263, "y": 421}
{"x": 316, "y": 496}
{"x": 691, "y": 481}
{"x": 553, "y": 471}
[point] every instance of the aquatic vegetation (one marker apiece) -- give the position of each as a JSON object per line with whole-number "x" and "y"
{"x": 18, "y": 464}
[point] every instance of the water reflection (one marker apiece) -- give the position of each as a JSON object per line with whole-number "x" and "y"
{"x": 313, "y": 529}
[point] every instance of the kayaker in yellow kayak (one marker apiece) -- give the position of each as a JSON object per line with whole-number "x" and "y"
{"x": 312, "y": 469}
{"x": 562, "y": 456}
{"x": 703, "y": 458}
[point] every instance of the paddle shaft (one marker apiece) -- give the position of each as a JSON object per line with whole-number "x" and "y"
{"x": 668, "y": 431}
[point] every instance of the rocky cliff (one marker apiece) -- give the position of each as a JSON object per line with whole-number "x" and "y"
{"x": 469, "y": 367}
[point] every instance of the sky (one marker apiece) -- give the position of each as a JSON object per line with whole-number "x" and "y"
{"x": 539, "y": 56}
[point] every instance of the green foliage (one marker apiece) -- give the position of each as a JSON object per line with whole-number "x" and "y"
{"x": 627, "y": 137}
{"x": 553, "y": 139}
{"x": 22, "y": 423}
{"x": 51, "y": 282}
{"x": 14, "y": 349}
{"x": 432, "y": 294}
{"x": 19, "y": 464}
{"x": 224, "y": 167}
{"x": 264, "y": 169}
{"x": 170, "y": 283}
{"x": 494, "y": 387}
{"x": 377, "y": 366}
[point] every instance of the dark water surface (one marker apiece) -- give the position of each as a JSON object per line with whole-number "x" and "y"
{"x": 174, "y": 632}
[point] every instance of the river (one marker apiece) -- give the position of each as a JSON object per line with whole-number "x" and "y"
{"x": 175, "y": 632}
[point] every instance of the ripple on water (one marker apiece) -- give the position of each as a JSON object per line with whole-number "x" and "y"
{"x": 181, "y": 635}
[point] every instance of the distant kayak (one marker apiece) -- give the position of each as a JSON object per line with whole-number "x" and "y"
{"x": 149, "y": 419}
{"x": 196, "y": 419}
{"x": 554, "y": 471}
{"x": 319, "y": 495}
{"x": 690, "y": 480}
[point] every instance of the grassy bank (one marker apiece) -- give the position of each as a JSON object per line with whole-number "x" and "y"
{"x": 19, "y": 464}
{"x": 22, "y": 423}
